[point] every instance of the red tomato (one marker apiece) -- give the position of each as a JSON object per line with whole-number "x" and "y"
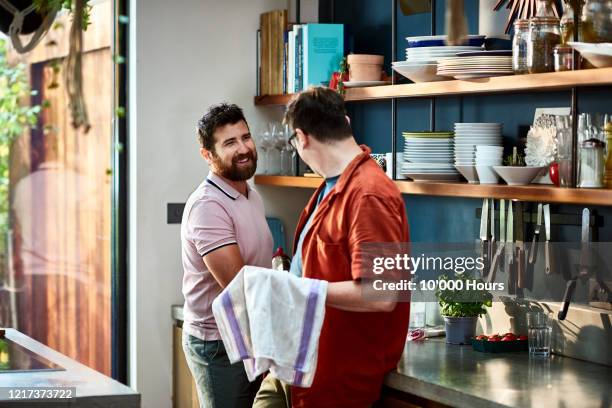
{"x": 494, "y": 339}
{"x": 508, "y": 338}
{"x": 481, "y": 337}
{"x": 507, "y": 334}
{"x": 522, "y": 337}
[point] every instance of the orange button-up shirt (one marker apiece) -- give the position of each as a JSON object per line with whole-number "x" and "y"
{"x": 356, "y": 349}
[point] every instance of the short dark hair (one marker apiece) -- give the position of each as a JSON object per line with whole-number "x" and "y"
{"x": 319, "y": 111}
{"x": 217, "y": 116}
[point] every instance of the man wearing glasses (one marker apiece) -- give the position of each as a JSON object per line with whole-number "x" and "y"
{"x": 223, "y": 228}
{"x": 360, "y": 341}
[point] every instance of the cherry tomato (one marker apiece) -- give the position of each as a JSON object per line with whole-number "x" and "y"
{"x": 481, "y": 337}
{"x": 508, "y": 338}
{"x": 522, "y": 337}
{"x": 494, "y": 339}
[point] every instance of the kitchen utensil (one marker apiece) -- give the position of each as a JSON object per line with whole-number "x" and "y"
{"x": 520, "y": 246}
{"x": 533, "y": 251}
{"x": 492, "y": 235}
{"x": 510, "y": 261}
{"x": 484, "y": 249}
{"x": 547, "y": 248}
{"x": 583, "y": 266}
{"x": 502, "y": 241}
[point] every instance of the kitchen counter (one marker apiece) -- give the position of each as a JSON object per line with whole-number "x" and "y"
{"x": 460, "y": 377}
{"x": 92, "y": 388}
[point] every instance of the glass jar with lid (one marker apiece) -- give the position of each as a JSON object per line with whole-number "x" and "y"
{"x": 564, "y": 58}
{"x": 596, "y": 21}
{"x": 592, "y": 164}
{"x": 519, "y": 46}
{"x": 544, "y": 35}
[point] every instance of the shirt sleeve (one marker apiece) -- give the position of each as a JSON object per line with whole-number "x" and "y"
{"x": 210, "y": 226}
{"x": 375, "y": 219}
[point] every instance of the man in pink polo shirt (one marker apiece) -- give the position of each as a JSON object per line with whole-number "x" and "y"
{"x": 223, "y": 228}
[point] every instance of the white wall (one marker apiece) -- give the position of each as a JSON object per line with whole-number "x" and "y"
{"x": 184, "y": 56}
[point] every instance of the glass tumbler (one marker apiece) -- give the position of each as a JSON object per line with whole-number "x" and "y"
{"x": 539, "y": 333}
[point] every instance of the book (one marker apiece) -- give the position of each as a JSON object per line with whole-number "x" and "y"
{"x": 323, "y": 50}
{"x": 299, "y": 59}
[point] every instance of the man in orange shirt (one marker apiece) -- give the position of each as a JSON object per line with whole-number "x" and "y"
{"x": 357, "y": 204}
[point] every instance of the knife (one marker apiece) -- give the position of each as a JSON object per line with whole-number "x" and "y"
{"x": 484, "y": 251}
{"x": 584, "y": 247}
{"x": 533, "y": 253}
{"x": 547, "y": 248}
{"x": 492, "y": 235}
{"x": 511, "y": 265}
{"x": 502, "y": 240}
{"x": 520, "y": 247}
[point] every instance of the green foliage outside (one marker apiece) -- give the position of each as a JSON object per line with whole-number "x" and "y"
{"x": 16, "y": 116}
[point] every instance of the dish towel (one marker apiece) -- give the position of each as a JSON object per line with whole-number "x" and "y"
{"x": 272, "y": 321}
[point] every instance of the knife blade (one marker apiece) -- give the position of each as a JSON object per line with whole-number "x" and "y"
{"x": 533, "y": 251}
{"x": 584, "y": 239}
{"x": 484, "y": 214}
{"x": 492, "y": 234}
{"x": 547, "y": 248}
{"x": 520, "y": 247}
{"x": 502, "y": 240}
{"x": 510, "y": 264}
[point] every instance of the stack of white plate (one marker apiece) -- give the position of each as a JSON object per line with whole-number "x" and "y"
{"x": 428, "y": 156}
{"x": 467, "y": 137}
{"x": 423, "y": 54}
{"x": 437, "y": 53}
{"x": 472, "y": 65}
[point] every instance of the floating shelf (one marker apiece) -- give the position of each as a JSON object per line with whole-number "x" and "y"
{"x": 512, "y": 83}
{"x": 535, "y": 193}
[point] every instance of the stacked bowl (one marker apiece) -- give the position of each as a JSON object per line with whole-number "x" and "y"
{"x": 488, "y": 157}
{"x": 428, "y": 156}
{"x": 467, "y": 137}
{"x": 423, "y": 54}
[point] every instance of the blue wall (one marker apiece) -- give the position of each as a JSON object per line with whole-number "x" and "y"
{"x": 439, "y": 219}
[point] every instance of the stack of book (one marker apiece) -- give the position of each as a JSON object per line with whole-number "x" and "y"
{"x": 292, "y": 60}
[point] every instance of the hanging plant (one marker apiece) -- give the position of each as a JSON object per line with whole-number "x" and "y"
{"x": 43, "y": 12}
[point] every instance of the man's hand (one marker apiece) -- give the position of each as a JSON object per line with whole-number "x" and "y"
{"x": 347, "y": 296}
{"x": 224, "y": 263}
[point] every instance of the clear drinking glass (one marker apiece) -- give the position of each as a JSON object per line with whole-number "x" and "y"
{"x": 286, "y": 152}
{"x": 262, "y": 140}
{"x": 564, "y": 150}
{"x": 274, "y": 154}
{"x": 539, "y": 326}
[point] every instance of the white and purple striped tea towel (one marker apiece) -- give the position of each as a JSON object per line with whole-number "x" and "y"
{"x": 272, "y": 321}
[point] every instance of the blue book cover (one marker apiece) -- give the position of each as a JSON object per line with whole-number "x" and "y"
{"x": 299, "y": 59}
{"x": 323, "y": 50}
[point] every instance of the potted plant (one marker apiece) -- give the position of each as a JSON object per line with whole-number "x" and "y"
{"x": 461, "y": 307}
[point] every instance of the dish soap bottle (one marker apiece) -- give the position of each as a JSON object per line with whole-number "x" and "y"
{"x": 280, "y": 260}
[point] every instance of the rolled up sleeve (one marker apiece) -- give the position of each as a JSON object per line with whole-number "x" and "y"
{"x": 374, "y": 219}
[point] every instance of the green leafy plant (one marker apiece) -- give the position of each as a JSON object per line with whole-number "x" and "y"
{"x": 515, "y": 159}
{"x": 457, "y": 301}
{"x": 45, "y": 6}
{"x": 344, "y": 68}
{"x": 15, "y": 117}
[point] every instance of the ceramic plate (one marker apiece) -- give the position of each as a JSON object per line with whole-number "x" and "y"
{"x": 358, "y": 84}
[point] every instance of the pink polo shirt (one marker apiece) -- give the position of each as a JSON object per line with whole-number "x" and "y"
{"x": 217, "y": 215}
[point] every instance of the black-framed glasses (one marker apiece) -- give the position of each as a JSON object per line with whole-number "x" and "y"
{"x": 291, "y": 140}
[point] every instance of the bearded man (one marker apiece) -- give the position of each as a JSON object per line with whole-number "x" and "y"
{"x": 223, "y": 228}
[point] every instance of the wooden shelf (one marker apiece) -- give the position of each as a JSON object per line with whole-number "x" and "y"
{"x": 514, "y": 83}
{"x": 534, "y": 193}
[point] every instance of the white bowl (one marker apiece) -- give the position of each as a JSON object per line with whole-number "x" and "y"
{"x": 469, "y": 172}
{"x": 518, "y": 175}
{"x": 419, "y": 73}
{"x": 600, "y": 55}
{"x": 486, "y": 174}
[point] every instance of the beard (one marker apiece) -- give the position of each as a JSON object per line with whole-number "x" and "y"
{"x": 234, "y": 171}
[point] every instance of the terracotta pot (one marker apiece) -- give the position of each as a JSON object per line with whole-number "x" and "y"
{"x": 365, "y": 67}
